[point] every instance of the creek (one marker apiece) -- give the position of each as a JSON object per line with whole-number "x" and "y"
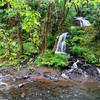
{"x": 80, "y": 82}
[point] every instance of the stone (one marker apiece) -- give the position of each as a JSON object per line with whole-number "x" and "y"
{"x": 24, "y": 74}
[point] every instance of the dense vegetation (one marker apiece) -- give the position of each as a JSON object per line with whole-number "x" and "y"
{"x": 30, "y": 27}
{"x": 84, "y": 43}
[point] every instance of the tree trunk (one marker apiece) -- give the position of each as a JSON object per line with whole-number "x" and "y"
{"x": 77, "y": 8}
{"x": 46, "y": 30}
{"x": 19, "y": 34}
{"x": 64, "y": 14}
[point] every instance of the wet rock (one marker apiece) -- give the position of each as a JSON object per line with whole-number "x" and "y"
{"x": 24, "y": 74}
{"x": 23, "y": 84}
{"x": 76, "y": 71}
{"x": 23, "y": 95}
{"x": 82, "y": 69}
{"x": 54, "y": 77}
{"x": 46, "y": 74}
{"x": 90, "y": 69}
{"x": 80, "y": 63}
{"x": 20, "y": 85}
{"x": 4, "y": 80}
{"x": 3, "y": 85}
{"x": 7, "y": 78}
{"x": 6, "y": 71}
{"x": 63, "y": 75}
{"x": 98, "y": 77}
{"x": 73, "y": 74}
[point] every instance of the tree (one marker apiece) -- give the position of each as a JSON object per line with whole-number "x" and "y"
{"x": 24, "y": 17}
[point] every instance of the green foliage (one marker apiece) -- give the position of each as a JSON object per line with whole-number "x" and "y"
{"x": 84, "y": 52}
{"x": 83, "y": 44}
{"x": 36, "y": 40}
{"x": 29, "y": 48}
{"x": 28, "y": 17}
{"x": 31, "y": 16}
{"x": 30, "y": 20}
{"x": 17, "y": 12}
{"x": 91, "y": 58}
{"x": 55, "y": 60}
{"x": 10, "y": 63}
{"x": 92, "y": 12}
{"x": 51, "y": 41}
{"x": 79, "y": 50}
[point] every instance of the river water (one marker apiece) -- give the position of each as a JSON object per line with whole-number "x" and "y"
{"x": 54, "y": 90}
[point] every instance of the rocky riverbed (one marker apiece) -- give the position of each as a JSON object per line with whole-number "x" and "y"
{"x": 45, "y": 84}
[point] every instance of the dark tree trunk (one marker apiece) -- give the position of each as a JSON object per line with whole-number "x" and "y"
{"x": 77, "y": 8}
{"x": 20, "y": 36}
{"x": 20, "y": 39}
{"x": 44, "y": 34}
{"x": 64, "y": 15}
{"x": 9, "y": 49}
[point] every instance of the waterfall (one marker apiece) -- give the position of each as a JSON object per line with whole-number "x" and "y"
{"x": 83, "y": 21}
{"x": 61, "y": 44}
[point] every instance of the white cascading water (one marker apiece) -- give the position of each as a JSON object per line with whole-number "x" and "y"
{"x": 98, "y": 70}
{"x": 83, "y": 21}
{"x": 61, "y": 44}
{"x": 75, "y": 64}
{"x": 73, "y": 68}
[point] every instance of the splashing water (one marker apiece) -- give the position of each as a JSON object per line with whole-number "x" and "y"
{"x": 98, "y": 70}
{"x": 75, "y": 72}
{"x": 75, "y": 64}
{"x": 61, "y": 45}
{"x": 83, "y": 21}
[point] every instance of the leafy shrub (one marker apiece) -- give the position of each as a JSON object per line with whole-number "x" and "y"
{"x": 91, "y": 58}
{"x": 79, "y": 50}
{"x": 28, "y": 48}
{"x": 55, "y": 60}
{"x": 51, "y": 41}
{"x": 82, "y": 43}
{"x": 75, "y": 40}
{"x": 75, "y": 30}
{"x": 84, "y": 52}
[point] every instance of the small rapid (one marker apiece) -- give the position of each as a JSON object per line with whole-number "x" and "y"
{"x": 83, "y": 21}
